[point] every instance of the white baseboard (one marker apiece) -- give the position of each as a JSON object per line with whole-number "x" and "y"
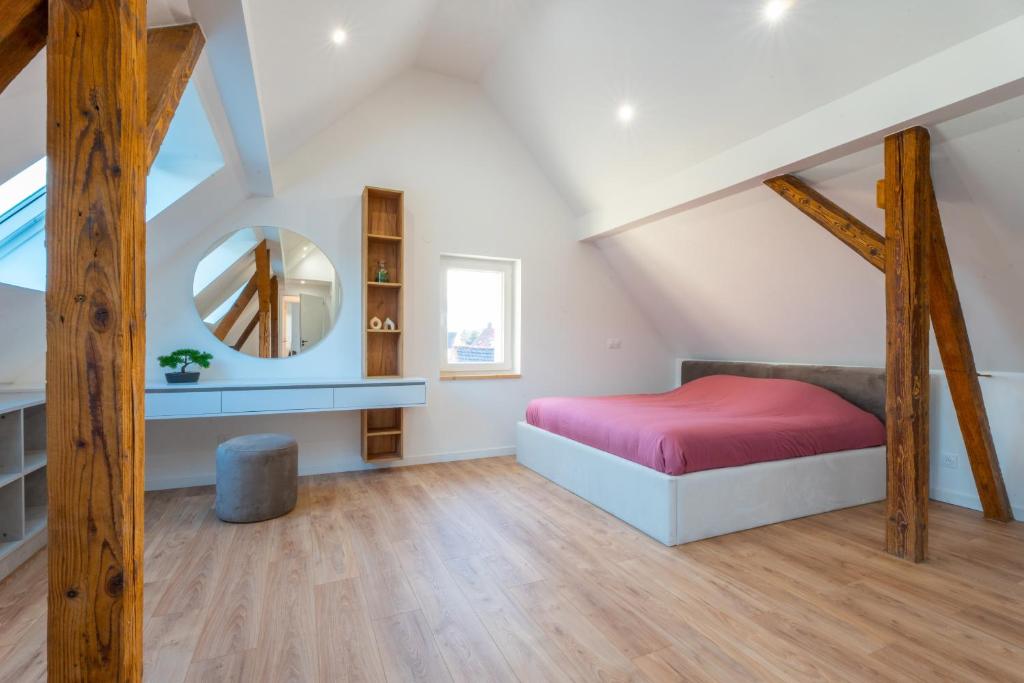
{"x": 160, "y": 483}
{"x": 968, "y": 500}
{"x": 22, "y": 553}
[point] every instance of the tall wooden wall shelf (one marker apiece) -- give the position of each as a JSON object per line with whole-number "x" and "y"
{"x": 383, "y": 240}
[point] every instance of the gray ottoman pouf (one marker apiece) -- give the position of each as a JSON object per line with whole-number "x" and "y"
{"x": 257, "y": 477}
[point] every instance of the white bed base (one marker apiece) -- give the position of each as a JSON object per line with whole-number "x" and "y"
{"x": 689, "y": 507}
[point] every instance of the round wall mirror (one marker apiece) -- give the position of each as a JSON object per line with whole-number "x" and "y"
{"x": 267, "y": 292}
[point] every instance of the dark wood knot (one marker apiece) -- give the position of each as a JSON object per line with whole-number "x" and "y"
{"x": 115, "y": 585}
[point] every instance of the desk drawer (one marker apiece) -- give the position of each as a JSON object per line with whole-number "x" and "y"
{"x": 277, "y": 400}
{"x": 354, "y": 398}
{"x": 183, "y": 403}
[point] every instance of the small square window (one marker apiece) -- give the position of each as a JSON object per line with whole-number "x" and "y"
{"x": 479, "y": 316}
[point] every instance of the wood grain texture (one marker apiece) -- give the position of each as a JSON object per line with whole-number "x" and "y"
{"x": 22, "y": 36}
{"x": 235, "y": 312}
{"x": 263, "y": 294}
{"x": 383, "y": 240}
{"x": 947, "y": 320}
{"x": 850, "y": 230}
{"x": 275, "y": 318}
{"x": 554, "y": 584}
{"x": 962, "y": 375}
{"x": 345, "y": 639}
{"x": 246, "y": 332}
{"x": 95, "y": 304}
{"x": 172, "y": 55}
{"x": 907, "y": 251}
{"x": 408, "y": 649}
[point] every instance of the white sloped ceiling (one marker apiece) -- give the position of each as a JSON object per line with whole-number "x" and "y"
{"x": 702, "y": 76}
{"x": 749, "y": 277}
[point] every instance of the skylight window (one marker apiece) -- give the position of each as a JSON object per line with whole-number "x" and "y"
{"x": 189, "y": 154}
{"x": 22, "y": 221}
{"x": 23, "y": 185}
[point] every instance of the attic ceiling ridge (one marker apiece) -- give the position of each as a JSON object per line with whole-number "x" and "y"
{"x": 971, "y": 75}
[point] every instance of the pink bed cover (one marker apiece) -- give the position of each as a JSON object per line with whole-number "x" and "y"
{"x": 713, "y": 422}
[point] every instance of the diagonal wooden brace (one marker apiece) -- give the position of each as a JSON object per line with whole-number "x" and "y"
{"x": 947, "y": 320}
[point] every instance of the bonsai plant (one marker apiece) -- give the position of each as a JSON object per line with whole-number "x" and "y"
{"x": 181, "y": 359}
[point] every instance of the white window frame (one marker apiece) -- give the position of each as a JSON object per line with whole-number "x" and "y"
{"x": 509, "y": 269}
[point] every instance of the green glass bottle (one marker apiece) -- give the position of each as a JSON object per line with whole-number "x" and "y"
{"x": 382, "y": 272}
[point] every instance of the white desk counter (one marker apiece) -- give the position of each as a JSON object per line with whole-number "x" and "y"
{"x": 223, "y": 398}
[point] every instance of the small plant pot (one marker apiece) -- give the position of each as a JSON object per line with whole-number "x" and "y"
{"x": 182, "y": 377}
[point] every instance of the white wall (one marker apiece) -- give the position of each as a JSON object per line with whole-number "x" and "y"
{"x": 471, "y": 188}
{"x": 749, "y": 278}
{"x": 951, "y": 480}
{"x": 23, "y": 331}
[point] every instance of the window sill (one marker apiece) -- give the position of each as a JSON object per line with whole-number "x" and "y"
{"x": 452, "y": 376}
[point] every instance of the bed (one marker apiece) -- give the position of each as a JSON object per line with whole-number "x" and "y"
{"x": 684, "y": 482}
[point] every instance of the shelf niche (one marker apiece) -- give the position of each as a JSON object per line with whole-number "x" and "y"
{"x": 23, "y": 497}
{"x": 383, "y": 240}
{"x": 382, "y": 434}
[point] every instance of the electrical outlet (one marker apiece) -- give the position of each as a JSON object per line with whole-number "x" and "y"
{"x": 614, "y": 344}
{"x": 950, "y": 460}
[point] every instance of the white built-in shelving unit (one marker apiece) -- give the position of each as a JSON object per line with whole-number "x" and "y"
{"x": 22, "y": 478}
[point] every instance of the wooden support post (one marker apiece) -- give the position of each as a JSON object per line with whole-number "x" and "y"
{"x": 263, "y": 291}
{"x": 234, "y": 313}
{"x": 962, "y": 375}
{"x": 275, "y": 318}
{"x": 947, "y": 321}
{"x": 907, "y": 250}
{"x": 173, "y": 53}
{"x": 95, "y": 310}
{"x": 22, "y": 36}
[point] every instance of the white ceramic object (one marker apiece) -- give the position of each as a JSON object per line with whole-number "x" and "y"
{"x": 389, "y": 324}
{"x": 375, "y": 323}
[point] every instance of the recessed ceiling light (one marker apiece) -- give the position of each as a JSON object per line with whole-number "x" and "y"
{"x": 339, "y": 36}
{"x": 775, "y": 9}
{"x": 626, "y": 112}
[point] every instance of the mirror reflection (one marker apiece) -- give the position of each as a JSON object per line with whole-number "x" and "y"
{"x": 267, "y": 292}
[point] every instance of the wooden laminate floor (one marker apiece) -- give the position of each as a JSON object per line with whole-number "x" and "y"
{"x": 483, "y": 571}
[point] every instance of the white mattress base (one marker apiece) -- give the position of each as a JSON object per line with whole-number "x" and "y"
{"x": 689, "y": 507}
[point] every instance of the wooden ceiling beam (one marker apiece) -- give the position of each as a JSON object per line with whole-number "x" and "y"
{"x": 907, "y": 250}
{"x": 275, "y": 317}
{"x": 22, "y": 36}
{"x": 95, "y": 337}
{"x": 263, "y": 290}
{"x": 235, "y": 312}
{"x": 247, "y": 332}
{"x": 947, "y": 320}
{"x": 962, "y": 375}
{"x": 944, "y": 310}
{"x": 844, "y": 225}
{"x": 173, "y": 53}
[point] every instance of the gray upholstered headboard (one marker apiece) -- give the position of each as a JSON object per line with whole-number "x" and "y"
{"x": 863, "y": 387}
